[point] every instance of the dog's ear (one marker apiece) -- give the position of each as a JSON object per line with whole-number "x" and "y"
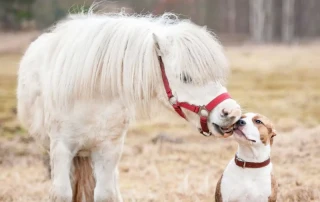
{"x": 273, "y": 134}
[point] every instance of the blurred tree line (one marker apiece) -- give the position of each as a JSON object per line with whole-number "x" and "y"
{"x": 262, "y": 21}
{"x": 13, "y": 13}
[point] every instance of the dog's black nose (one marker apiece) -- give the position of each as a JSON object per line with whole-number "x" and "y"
{"x": 241, "y": 122}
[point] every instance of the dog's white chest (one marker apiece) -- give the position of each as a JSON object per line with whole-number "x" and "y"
{"x": 246, "y": 185}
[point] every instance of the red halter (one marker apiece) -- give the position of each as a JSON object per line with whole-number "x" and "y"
{"x": 202, "y": 111}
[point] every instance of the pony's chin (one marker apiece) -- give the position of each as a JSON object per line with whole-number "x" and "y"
{"x": 221, "y": 131}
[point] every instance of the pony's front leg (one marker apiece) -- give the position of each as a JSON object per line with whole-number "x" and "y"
{"x": 60, "y": 159}
{"x": 105, "y": 160}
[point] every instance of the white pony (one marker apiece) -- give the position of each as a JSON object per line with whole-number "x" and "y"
{"x": 83, "y": 82}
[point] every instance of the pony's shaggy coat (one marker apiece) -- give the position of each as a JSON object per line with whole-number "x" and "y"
{"x": 98, "y": 70}
{"x": 82, "y": 82}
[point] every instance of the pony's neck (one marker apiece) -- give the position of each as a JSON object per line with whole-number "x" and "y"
{"x": 254, "y": 153}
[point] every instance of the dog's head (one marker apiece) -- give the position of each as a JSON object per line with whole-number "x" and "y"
{"x": 254, "y": 129}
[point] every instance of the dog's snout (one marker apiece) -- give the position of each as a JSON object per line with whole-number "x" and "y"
{"x": 241, "y": 122}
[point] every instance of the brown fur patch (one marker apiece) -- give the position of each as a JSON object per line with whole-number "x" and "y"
{"x": 83, "y": 180}
{"x": 218, "y": 195}
{"x": 266, "y": 129}
{"x": 274, "y": 189}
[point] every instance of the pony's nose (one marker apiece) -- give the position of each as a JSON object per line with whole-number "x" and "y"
{"x": 233, "y": 113}
{"x": 241, "y": 122}
{"x": 225, "y": 112}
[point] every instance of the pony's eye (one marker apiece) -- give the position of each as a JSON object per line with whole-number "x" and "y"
{"x": 258, "y": 121}
{"x": 186, "y": 78}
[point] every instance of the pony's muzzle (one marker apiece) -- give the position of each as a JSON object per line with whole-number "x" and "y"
{"x": 230, "y": 113}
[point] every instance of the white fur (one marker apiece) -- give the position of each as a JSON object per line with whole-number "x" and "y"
{"x": 81, "y": 83}
{"x": 248, "y": 184}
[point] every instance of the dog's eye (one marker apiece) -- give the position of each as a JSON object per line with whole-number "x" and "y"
{"x": 258, "y": 121}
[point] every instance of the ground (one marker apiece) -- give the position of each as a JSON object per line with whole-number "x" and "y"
{"x": 166, "y": 160}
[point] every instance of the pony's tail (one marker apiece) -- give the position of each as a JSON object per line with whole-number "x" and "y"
{"x": 83, "y": 180}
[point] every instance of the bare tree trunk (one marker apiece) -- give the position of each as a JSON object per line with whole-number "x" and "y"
{"x": 262, "y": 20}
{"x": 231, "y": 16}
{"x": 213, "y": 15}
{"x": 242, "y": 17}
{"x": 309, "y": 12}
{"x": 202, "y": 12}
{"x": 312, "y": 19}
{"x": 269, "y": 19}
{"x": 44, "y": 16}
{"x": 257, "y": 20}
{"x": 288, "y": 20}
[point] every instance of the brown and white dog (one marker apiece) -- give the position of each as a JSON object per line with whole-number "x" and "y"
{"x": 248, "y": 176}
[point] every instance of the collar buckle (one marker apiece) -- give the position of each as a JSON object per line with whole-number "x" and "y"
{"x": 244, "y": 162}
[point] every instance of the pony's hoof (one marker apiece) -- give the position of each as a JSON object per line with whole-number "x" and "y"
{"x": 61, "y": 194}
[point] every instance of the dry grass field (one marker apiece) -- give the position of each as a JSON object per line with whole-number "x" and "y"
{"x": 282, "y": 83}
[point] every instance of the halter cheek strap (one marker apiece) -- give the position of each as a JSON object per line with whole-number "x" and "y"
{"x": 202, "y": 111}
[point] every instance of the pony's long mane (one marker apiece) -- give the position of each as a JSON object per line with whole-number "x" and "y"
{"x": 114, "y": 54}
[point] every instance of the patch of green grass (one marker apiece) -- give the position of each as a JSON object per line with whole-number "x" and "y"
{"x": 9, "y": 126}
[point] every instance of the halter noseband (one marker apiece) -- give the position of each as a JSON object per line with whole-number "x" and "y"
{"x": 202, "y": 111}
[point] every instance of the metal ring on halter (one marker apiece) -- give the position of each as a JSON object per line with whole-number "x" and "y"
{"x": 203, "y": 111}
{"x": 173, "y": 100}
{"x": 205, "y": 133}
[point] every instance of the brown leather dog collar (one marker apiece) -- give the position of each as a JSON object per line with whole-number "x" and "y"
{"x": 243, "y": 164}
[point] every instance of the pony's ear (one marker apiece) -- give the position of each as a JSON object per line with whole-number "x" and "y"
{"x": 157, "y": 44}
